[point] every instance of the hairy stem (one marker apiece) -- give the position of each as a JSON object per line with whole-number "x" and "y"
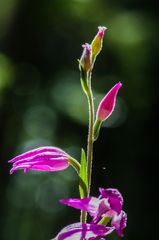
{"x": 90, "y": 137}
{"x": 89, "y": 143}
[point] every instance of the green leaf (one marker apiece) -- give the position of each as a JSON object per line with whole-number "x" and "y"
{"x": 84, "y": 86}
{"x": 83, "y": 182}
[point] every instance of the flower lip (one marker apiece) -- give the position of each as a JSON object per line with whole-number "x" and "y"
{"x": 119, "y": 222}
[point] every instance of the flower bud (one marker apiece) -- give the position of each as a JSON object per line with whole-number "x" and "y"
{"x": 97, "y": 42}
{"x": 107, "y": 104}
{"x": 85, "y": 61}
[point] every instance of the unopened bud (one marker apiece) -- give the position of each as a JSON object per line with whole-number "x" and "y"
{"x": 97, "y": 42}
{"x": 107, "y": 104}
{"x": 85, "y": 61}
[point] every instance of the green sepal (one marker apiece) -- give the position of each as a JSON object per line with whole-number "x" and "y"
{"x": 97, "y": 126}
{"x": 84, "y": 85}
{"x": 84, "y": 78}
{"x": 83, "y": 178}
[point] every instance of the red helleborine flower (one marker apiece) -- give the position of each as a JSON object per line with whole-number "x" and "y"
{"x": 50, "y": 159}
{"x": 108, "y": 204}
{"x": 83, "y": 231}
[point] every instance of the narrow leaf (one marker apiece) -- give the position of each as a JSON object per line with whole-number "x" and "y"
{"x": 83, "y": 182}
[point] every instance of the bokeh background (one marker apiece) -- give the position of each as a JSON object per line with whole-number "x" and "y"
{"x": 41, "y": 103}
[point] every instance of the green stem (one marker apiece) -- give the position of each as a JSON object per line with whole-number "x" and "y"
{"x": 89, "y": 143}
{"x": 73, "y": 162}
{"x": 90, "y": 136}
{"x": 83, "y": 217}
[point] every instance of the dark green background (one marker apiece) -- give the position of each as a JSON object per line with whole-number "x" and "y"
{"x": 41, "y": 103}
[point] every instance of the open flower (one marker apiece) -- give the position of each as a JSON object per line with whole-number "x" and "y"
{"x": 107, "y": 104}
{"x": 108, "y": 204}
{"x": 50, "y": 159}
{"x": 80, "y": 231}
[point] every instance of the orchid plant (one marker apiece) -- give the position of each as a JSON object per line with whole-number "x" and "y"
{"x": 106, "y": 209}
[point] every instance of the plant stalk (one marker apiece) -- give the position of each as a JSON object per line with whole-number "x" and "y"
{"x": 89, "y": 143}
{"x": 90, "y": 136}
{"x": 83, "y": 217}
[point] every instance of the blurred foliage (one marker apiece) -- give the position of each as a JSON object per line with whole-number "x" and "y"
{"x": 41, "y": 103}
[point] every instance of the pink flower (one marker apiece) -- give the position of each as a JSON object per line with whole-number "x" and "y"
{"x": 80, "y": 231}
{"x": 108, "y": 204}
{"x": 107, "y": 104}
{"x": 50, "y": 159}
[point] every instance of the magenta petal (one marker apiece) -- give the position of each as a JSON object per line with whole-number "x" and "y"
{"x": 49, "y": 159}
{"x": 90, "y": 204}
{"x": 114, "y": 197}
{"x": 48, "y": 165}
{"x": 103, "y": 208}
{"x": 41, "y": 157}
{"x": 119, "y": 222}
{"x": 94, "y": 206}
{"x": 80, "y": 231}
{"x": 36, "y": 151}
{"x": 107, "y": 104}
